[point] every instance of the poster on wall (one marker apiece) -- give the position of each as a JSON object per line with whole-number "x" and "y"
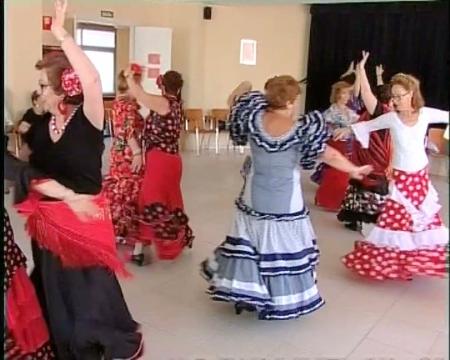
{"x": 248, "y": 52}
{"x": 154, "y": 59}
{"x": 151, "y": 47}
{"x": 153, "y": 73}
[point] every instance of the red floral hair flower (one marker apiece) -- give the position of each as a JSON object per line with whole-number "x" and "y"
{"x": 71, "y": 83}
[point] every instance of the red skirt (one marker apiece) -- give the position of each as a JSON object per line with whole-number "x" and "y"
{"x": 163, "y": 221}
{"x": 409, "y": 237}
{"x": 334, "y": 183}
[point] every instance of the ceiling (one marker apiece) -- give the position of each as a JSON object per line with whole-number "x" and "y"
{"x": 280, "y": 2}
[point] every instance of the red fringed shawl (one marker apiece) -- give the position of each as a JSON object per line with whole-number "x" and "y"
{"x": 77, "y": 243}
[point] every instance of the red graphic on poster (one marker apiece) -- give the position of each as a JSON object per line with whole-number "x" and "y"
{"x": 248, "y": 52}
{"x": 153, "y": 73}
{"x": 154, "y": 59}
{"x": 46, "y": 22}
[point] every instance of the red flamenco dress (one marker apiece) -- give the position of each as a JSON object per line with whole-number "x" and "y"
{"x": 409, "y": 238}
{"x": 121, "y": 185}
{"x": 27, "y": 335}
{"x": 333, "y": 183}
{"x": 163, "y": 221}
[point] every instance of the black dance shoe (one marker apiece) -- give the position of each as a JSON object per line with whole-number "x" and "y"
{"x": 354, "y": 226}
{"x": 241, "y": 306}
{"x": 138, "y": 259}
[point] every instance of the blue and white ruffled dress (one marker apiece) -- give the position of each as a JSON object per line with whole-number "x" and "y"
{"x": 268, "y": 259}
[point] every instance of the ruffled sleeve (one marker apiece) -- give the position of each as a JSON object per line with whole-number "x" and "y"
{"x": 313, "y": 134}
{"x": 246, "y": 108}
{"x": 363, "y": 129}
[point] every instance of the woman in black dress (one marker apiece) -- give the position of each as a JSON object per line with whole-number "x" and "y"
{"x": 75, "y": 260}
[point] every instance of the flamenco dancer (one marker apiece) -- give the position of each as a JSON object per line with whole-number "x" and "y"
{"x": 123, "y": 182}
{"x": 268, "y": 261}
{"x": 26, "y": 331}
{"x": 76, "y": 261}
{"x": 409, "y": 237}
{"x": 364, "y": 199}
{"x": 333, "y": 183}
{"x": 163, "y": 222}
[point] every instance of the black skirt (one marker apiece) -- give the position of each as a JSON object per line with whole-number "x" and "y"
{"x": 85, "y": 311}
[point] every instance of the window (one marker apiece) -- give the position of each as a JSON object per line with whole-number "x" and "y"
{"x": 99, "y": 44}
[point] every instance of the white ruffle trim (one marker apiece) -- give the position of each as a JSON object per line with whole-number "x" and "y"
{"x": 424, "y": 215}
{"x": 405, "y": 240}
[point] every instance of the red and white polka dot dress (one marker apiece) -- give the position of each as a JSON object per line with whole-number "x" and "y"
{"x": 409, "y": 238}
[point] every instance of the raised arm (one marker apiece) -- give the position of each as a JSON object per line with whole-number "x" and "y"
{"x": 379, "y": 70}
{"x": 83, "y": 67}
{"x": 241, "y": 89}
{"x": 369, "y": 99}
{"x": 157, "y": 103}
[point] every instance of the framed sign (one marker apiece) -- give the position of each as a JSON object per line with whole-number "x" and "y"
{"x": 248, "y": 52}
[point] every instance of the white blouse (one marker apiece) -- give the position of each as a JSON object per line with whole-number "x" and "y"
{"x": 409, "y": 150}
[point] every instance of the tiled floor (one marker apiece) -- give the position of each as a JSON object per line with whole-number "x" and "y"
{"x": 361, "y": 320}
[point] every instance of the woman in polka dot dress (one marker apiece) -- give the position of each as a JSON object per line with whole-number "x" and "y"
{"x": 163, "y": 221}
{"x": 123, "y": 182}
{"x": 409, "y": 237}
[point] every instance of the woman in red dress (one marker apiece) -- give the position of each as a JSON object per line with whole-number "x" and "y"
{"x": 163, "y": 222}
{"x": 333, "y": 183}
{"x": 123, "y": 182}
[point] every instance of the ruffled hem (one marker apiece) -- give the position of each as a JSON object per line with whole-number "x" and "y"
{"x": 382, "y": 263}
{"x": 24, "y": 317}
{"x": 13, "y": 352}
{"x": 168, "y": 230}
{"x": 406, "y": 240}
{"x": 278, "y": 285}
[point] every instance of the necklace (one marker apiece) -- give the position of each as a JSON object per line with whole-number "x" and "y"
{"x": 60, "y": 131}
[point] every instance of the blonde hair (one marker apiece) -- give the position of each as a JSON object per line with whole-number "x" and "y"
{"x": 280, "y": 90}
{"x": 336, "y": 90}
{"x": 122, "y": 85}
{"x": 410, "y": 84}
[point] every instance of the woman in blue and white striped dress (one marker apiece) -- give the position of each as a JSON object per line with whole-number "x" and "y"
{"x": 267, "y": 262}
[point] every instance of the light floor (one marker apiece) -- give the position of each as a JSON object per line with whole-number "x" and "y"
{"x": 361, "y": 319}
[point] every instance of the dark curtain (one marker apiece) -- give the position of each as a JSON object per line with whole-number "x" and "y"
{"x": 404, "y": 37}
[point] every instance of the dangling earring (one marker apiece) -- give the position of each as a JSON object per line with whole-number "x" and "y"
{"x": 62, "y": 107}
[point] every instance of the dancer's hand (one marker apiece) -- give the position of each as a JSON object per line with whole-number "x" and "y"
{"x": 365, "y": 56}
{"x": 23, "y": 127}
{"x": 58, "y": 21}
{"x": 83, "y": 206}
{"x": 341, "y": 133}
{"x": 359, "y": 172}
{"x": 379, "y": 70}
{"x": 136, "y": 163}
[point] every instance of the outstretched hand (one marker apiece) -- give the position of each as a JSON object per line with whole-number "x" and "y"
{"x": 361, "y": 171}
{"x": 60, "y": 16}
{"x": 365, "y": 55}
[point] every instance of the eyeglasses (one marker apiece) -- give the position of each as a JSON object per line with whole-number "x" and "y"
{"x": 398, "y": 97}
{"x": 43, "y": 86}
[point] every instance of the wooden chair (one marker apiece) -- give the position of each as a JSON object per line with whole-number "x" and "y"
{"x": 222, "y": 115}
{"x": 109, "y": 116}
{"x": 195, "y": 122}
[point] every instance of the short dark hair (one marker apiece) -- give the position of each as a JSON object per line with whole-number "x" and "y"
{"x": 173, "y": 82}
{"x": 383, "y": 93}
{"x": 34, "y": 96}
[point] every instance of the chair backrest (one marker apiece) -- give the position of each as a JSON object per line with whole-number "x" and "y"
{"x": 193, "y": 118}
{"x": 220, "y": 114}
{"x": 109, "y": 123}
